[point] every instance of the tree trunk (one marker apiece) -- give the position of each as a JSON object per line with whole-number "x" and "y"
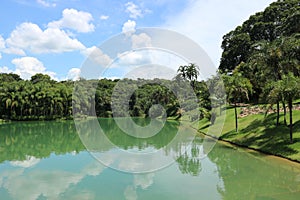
{"x": 193, "y": 84}
{"x": 236, "y": 117}
{"x": 284, "y": 112}
{"x": 278, "y": 110}
{"x": 291, "y": 119}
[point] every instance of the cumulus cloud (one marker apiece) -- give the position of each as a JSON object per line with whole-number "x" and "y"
{"x": 133, "y": 10}
{"x": 30, "y": 37}
{"x": 46, "y": 3}
{"x": 129, "y": 27}
{"x": 29, "y": 66}
{"x": 2, "y": 42}
{"x": 97, "y": 56}
{"x": 73, "y": 74}
{"x": 133, "y": 58}
{"x": 141, "y": 40}
{"x": 104, "y": 17}
{"x": 9, "y": 50}
{"x": 14, "y": 50}
{"x": 5, "y": 69}
{"x": 2, "y": 45}
{"x": 76, "y": 20}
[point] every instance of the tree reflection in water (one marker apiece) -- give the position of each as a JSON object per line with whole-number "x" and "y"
{"x": 190, "y": 161}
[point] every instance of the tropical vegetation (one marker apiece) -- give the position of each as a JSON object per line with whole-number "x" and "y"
{"x": 259, "y": 67}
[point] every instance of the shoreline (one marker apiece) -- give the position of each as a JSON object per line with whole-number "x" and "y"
{"x": 227, "y": 142}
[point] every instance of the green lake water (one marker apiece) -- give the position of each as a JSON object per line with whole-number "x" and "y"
{"x": 47, "y": 160}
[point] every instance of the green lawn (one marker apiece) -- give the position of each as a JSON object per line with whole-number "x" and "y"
{"x": 258, "y": 132}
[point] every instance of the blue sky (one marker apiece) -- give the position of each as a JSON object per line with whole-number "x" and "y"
{"x": 55, "y": 37}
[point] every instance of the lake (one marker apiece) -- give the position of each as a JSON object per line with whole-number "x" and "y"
{"x": 47, "y": 160}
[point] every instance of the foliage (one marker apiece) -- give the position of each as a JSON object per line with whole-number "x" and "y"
{"x": 276, "y": 21}
{"x": 238, "y": 89}
{"x": 39, "y": 139}
{"x": 41, "y": 98}
{"x": 189, "y": 72}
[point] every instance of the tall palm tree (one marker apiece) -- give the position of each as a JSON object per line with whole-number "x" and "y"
{"x": 290, "y": 88}
{"x": 189, "y": 72}
{"x": 238, "y": 88}
{"x": 268, "y": 57}
{"x": 182, "y": 71}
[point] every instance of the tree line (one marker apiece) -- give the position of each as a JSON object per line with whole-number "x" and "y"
{"x": 41, "y": 98}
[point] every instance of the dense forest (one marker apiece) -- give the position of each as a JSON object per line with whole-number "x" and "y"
{"x": 265, "y": 48}
{"x": 41, "y": 98}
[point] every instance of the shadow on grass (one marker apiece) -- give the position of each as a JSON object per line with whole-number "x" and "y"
{"x": 265, "y": 136}
{"x": 205, "y": 126}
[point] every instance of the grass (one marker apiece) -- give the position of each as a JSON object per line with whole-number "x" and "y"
{"x": 258, "y": 132}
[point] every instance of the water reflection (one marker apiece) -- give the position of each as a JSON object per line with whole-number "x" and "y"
{"x": 190, "y": 161}
{"x": 131, "y": 154}
{"x": 255, "y": 176}
{"x": 29, "y": 161}
{"x": 36, "y": 182}
{"x": 19, "y": 141}
{"x": 47, "y": 161}
{"x": 143, "y": 181}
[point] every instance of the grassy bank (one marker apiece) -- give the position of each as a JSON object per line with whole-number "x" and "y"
{"x": 258, "y": 132}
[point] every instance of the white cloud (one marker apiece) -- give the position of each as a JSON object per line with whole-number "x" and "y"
{"x": 207, "y": 21}
{"x": 129, "y": 27}
{"x": 30, "y": 37}
{"x": 5, "y": 70}
{"x": 46, "y": 3}
{"x": 104, "y": 17}
{"x": 28, "y": 162}
{"x": 29, "y": 66}
{"x": 9, "y": 50}
{"x": 151, "y": 71}
{"x": 2, "y": 45}
{"x": 141, "y": 40}
{"x": 97, "y": 56}
{"x": 2, "y": 42}
{"x": 76, "y": 20}
{"x": 133, "y": 58}
{"x": 133, "y": 10}
{"x": 14, "y": 50}
{"x": 73, "y": 74}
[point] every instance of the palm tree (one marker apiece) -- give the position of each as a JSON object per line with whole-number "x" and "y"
{"x": 268, "y": 58}
{"x": 189, "y": 72}
{"x": 238, "y": 88}
{"x": 192, "y": 73}
{"x": 182, "y": 71}
{"x": 290, "y": 89}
